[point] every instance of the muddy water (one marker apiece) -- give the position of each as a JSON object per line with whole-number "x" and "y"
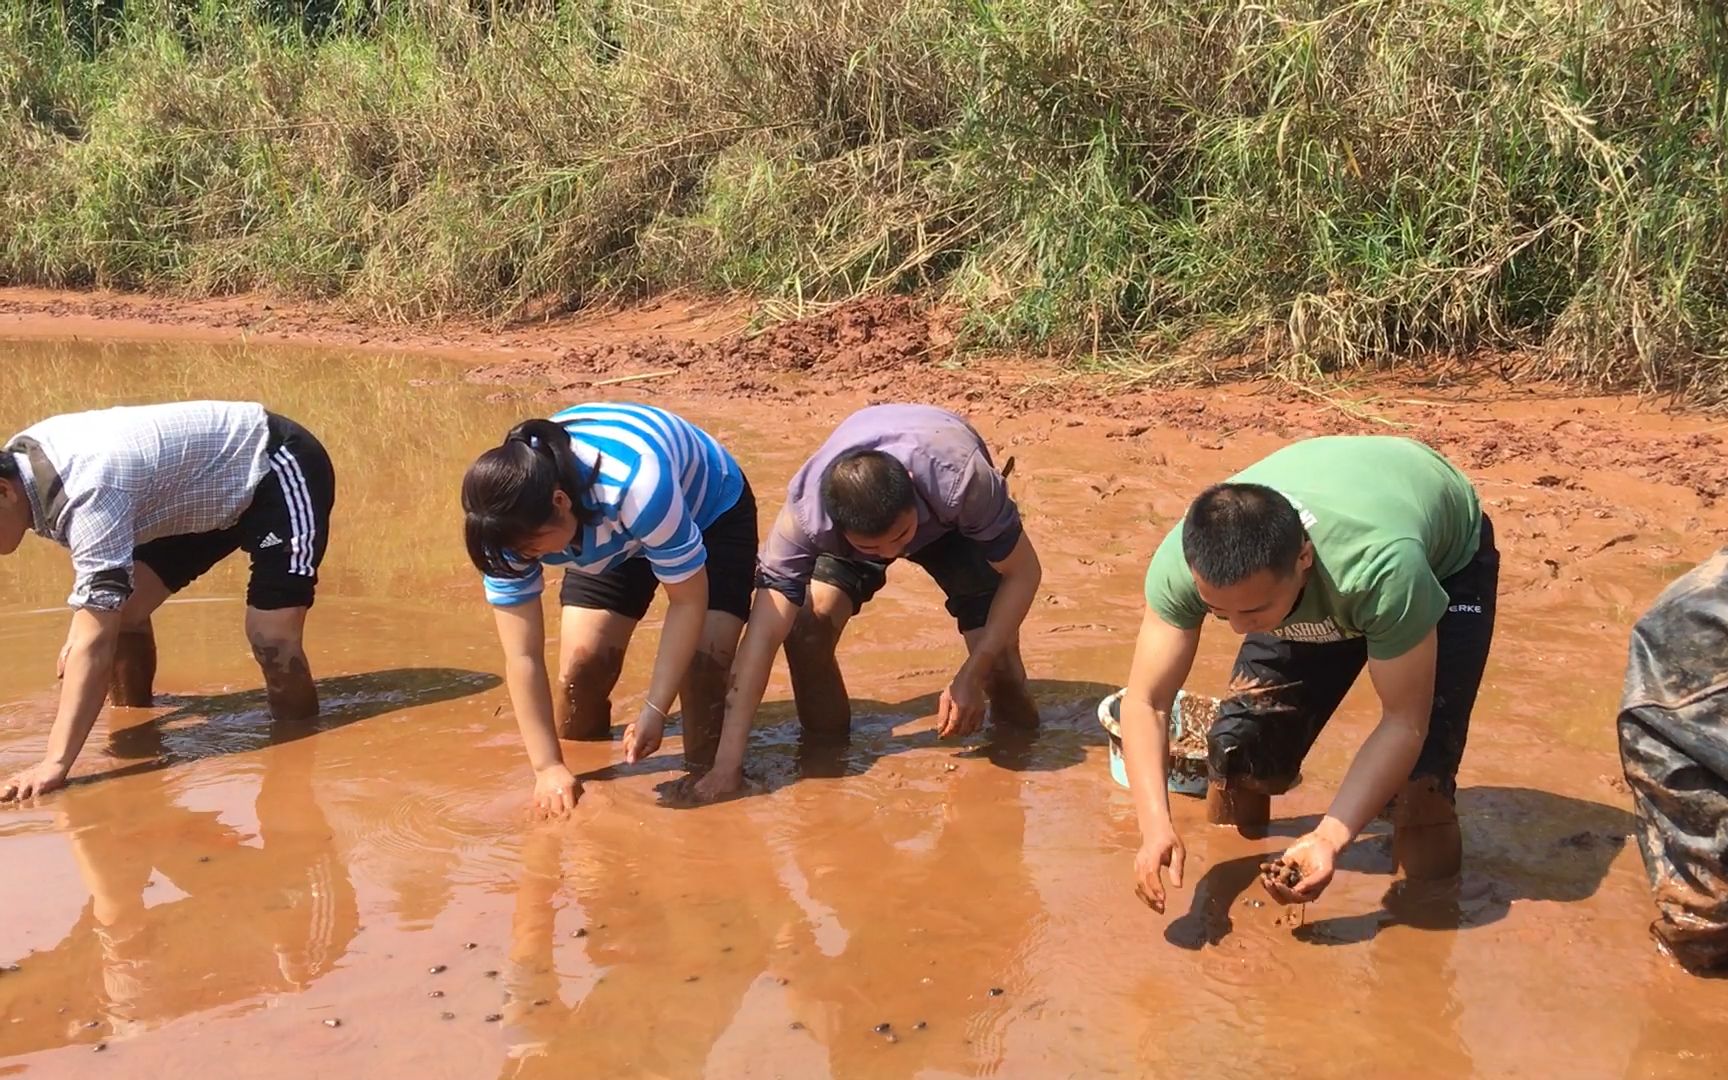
{"x": 225, "y": 890}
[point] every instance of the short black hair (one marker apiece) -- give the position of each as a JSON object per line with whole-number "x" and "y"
{"x": 1234, "y": 531}
{"x": 9, "y": 467}
{"x": 866, "y": 491}
{"x": 507, "y": 493}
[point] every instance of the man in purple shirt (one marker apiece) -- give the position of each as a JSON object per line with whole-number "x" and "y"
{"x": 893, "y": 481}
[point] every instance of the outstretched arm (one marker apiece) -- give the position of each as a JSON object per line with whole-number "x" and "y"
{"x": 1163, "y": 657}
{"x": 88, "y": 668}
{"x": 1406, "y": 688}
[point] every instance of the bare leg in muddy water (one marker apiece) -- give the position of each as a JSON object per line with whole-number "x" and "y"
{"x": 591, "y": 644}
{"x": 278, "y": 644}
{"x": 1426, "y": 841}
{"x": 1011, "y": 704}
{"x": 1229, "y": 803}
{"x": 702, "y": 697}
{"x": 818, "y": 687}
{"x": 134, "y": 680}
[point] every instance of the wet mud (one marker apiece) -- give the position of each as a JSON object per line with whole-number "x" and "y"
{"x": 215, "y": 885}
{"x": 1281, "y": 871}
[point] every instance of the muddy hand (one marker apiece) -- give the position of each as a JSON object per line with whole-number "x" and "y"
{"x": 36, "y": 780}
{"x": 716, "y": 784}
{"x": 1160, "y": 850}
{"x": 556, "y": 790}
{"x": 643, "y": 735}
{"x": 1302, "y": 873}
{"x": 961, "y": 709}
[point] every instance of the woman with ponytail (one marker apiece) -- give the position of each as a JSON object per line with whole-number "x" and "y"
{"x": 626, "y": 498}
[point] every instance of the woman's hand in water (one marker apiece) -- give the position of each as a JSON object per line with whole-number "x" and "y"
{"x": 556, "y": 790}
{"x": 716, "y": 784}
{"x": 642, "y": 737}
{"x": 1159, "y": 850}
{"x": 37, "y": 780}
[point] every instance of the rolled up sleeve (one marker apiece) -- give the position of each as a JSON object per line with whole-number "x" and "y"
{"x": 101, "y": 534}
{"x": 510, "y": 591}
{"x": 986, "y": 512}
{"x": 787, "y": 559}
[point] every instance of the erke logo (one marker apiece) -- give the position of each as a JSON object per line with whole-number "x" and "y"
{"x": 1472, "y": 609}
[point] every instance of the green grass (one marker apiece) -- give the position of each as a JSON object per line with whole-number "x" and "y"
{"x": 1318, "y": 186}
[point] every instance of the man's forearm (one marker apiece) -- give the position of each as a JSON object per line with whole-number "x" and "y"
{"x": 1146, "y": 753}
{"x": 89, "y": 667}
{"x": 1008, "y": 611}
{"x": 1163, "y": 657}
{"x": 1379, "y": 769}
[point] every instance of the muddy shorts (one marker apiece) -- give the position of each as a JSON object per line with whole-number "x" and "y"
{"x": 956, "y": 563}
{"x": 628, "y": 588}
{"x": 1673, "y": 729}
{"x": 286, "y": 529}
{"x": 1262, "y": 737}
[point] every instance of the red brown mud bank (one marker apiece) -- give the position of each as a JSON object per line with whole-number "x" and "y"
{"x": 224, "y": 905}
{"x": 1593, "y": 456}
{"x": 895, "y": 348}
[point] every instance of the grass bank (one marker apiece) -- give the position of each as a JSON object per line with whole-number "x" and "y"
{"x": 1324, "y": 186}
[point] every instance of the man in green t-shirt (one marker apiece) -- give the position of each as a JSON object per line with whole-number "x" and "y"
{"x": 1331, "y": 554}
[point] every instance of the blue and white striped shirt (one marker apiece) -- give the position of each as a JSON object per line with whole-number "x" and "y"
{"x": 662, "y": 480}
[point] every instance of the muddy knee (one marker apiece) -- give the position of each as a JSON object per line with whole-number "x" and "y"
{"x": 1427, "y": 843}
{"x": 287, "y": 676}
{"x": 812, "y": 637}
{"x": 585, "y": 692}
{"x": 276, "y": 653}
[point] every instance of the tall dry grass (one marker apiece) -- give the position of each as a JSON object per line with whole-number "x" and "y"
{"x": 1325, "y": 186}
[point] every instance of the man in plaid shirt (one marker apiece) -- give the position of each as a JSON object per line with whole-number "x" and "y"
{"x": 147, "y": 499}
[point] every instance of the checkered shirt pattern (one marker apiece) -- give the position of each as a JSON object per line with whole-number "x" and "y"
{"x": 132, "y": 475}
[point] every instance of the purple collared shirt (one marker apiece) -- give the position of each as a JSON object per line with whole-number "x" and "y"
{"x": 957, "y": 487}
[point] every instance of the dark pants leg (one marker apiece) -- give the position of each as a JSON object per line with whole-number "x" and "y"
{"x": 1284, "y": 692}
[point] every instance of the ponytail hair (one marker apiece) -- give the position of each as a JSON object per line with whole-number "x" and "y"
{"x": 507, "y": 493}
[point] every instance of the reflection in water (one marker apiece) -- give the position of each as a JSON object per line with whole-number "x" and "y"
{"x": 777, "y": 943}
{"x": 188, "y": 910}
{"x": 896, "y": 881}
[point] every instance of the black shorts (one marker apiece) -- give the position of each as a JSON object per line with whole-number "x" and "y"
{"x": 286, "y": 529}
{"x": 957, "y": 563}
{"x": 628, "y": 588}
{"x": 1264, "y": 735}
